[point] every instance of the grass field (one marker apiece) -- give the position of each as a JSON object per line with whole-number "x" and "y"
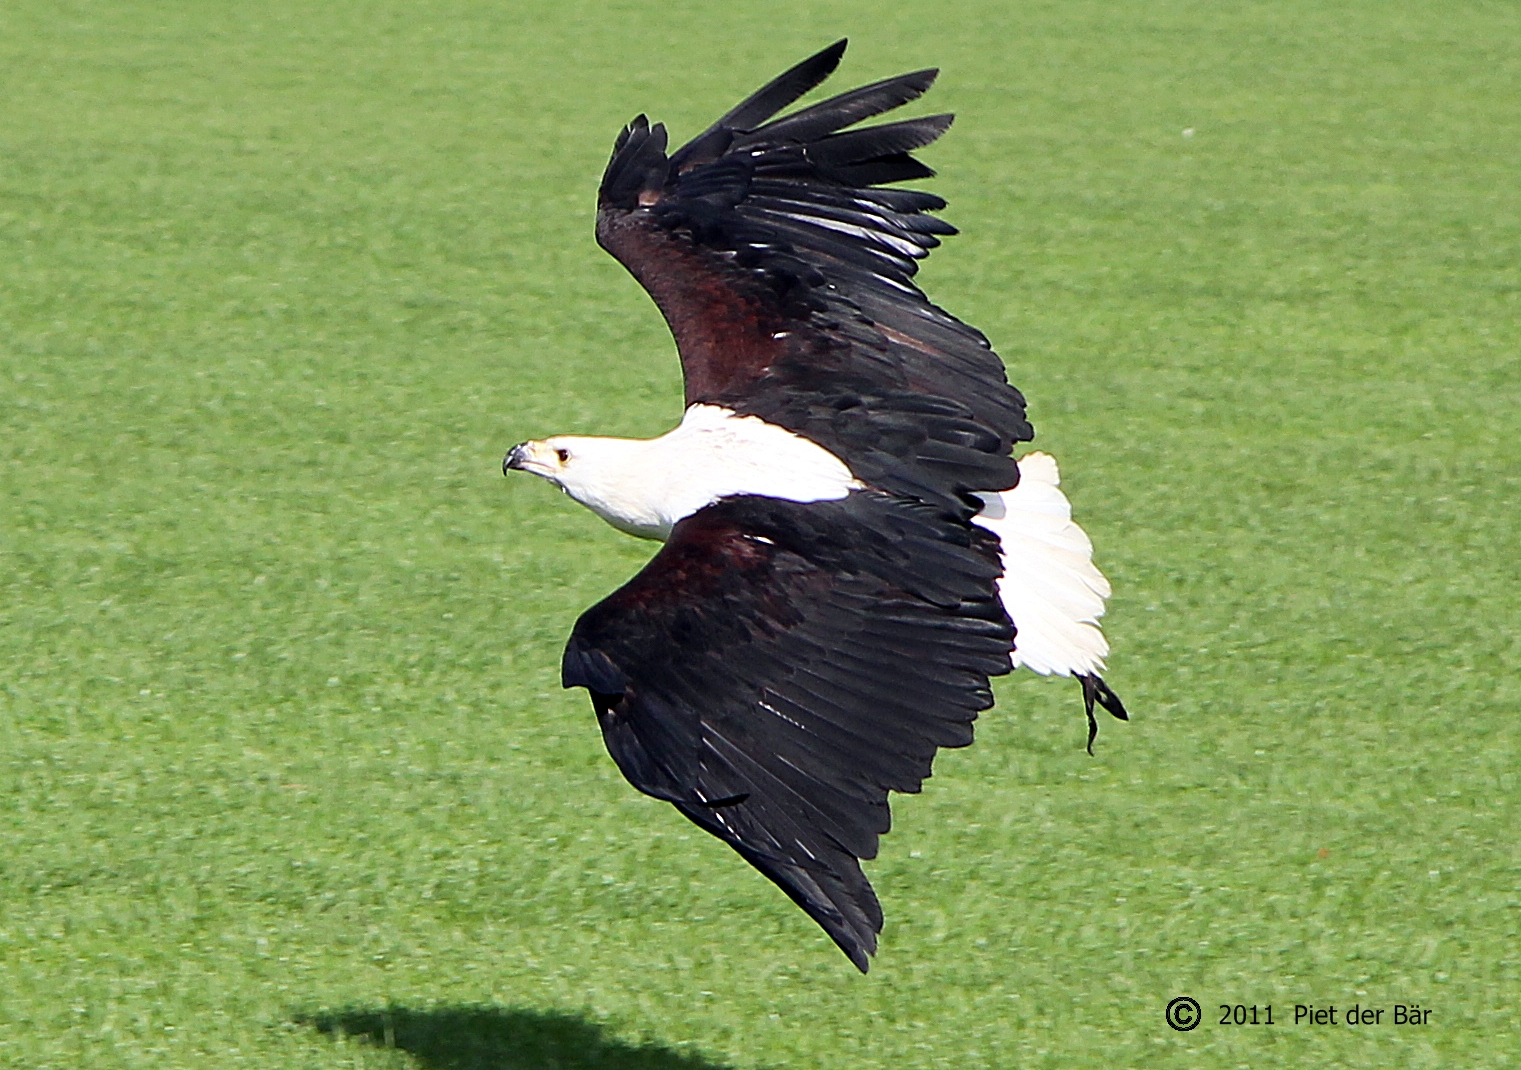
{"x": 286, "y": 776}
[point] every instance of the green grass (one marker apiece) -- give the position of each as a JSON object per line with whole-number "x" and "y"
{"x": 286, "y": 777}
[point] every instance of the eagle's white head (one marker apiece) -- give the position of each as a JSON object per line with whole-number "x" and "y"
{"x": 644, "y": 485}
{"x": 607, "y": 475}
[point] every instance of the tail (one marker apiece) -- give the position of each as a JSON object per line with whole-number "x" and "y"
{"x": 1053, "y": 592}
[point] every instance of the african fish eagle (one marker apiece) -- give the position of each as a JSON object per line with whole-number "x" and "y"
{"x": 851, "y": 550}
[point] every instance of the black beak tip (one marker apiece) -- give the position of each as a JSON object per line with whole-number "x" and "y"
{"x": 514, "y": 458}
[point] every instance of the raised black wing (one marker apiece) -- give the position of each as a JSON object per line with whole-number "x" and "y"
{"x": 779, "y": 667}
{"x": 786, "y": 273}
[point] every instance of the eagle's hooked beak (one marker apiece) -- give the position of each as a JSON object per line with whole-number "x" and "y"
{"x": 535, "y": 458}
{"x": 515, "y": 458}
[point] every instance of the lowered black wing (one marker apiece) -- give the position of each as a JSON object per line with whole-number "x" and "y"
{"x": 779, "y": 667}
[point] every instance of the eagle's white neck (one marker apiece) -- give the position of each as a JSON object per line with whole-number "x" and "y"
{"x": 644, "y": 486}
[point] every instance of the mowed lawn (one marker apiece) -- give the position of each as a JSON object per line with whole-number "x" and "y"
{"x": 286, "y": 775}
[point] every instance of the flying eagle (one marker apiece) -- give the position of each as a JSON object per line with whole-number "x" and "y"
{"x": 851, "y": 550}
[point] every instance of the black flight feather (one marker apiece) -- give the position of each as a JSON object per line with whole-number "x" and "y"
{"x": 759, "y": 106}
{"x": 836, "y": 113}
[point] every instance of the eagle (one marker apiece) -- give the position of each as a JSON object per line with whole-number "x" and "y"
{"x": 851, "y": 550}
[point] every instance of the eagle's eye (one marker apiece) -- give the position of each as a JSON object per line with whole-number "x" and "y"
{"x": 563, "y": 455}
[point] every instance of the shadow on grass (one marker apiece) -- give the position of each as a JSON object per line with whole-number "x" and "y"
{"x": 500, "y": 1038}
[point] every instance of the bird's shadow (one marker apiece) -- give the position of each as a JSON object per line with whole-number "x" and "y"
{"x": 500, "y": 1038}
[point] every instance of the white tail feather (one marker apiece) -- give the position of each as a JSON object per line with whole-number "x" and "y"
{"x": 1050, "y": 587}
